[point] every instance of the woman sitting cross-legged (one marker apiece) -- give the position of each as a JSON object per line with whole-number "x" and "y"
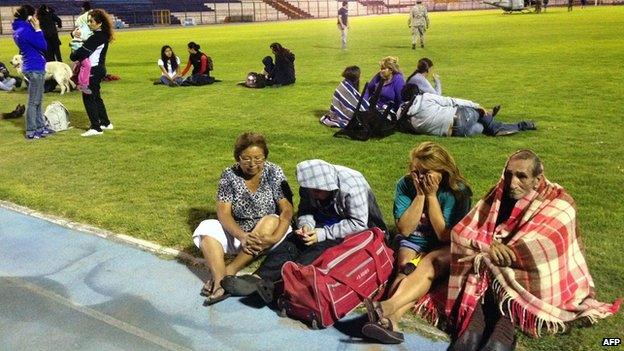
{"x": 254, "y": 210}
{"x": 202, "y": 65}
{"x": 169, "y": 65}
{"x": 345, "y": 99}
{"x": 428, "y": 202}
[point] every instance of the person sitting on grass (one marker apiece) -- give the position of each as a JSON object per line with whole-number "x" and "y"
{"x": 282, "y": 71}
{"x": 254, "y": 211}
{"x": 169, "y": 65}
{"x": 345, "y": 100}
{"x": 424, "y": 69}
{"x": 7, "y": 83}
{"x": 391, "y": 79}
{"x": 336, "y": 201}
{"x": 432, "y": 114}
{"x": 518, "y": 263}
{"x": 428, "y": 202}
{"x": 202, "y": 65}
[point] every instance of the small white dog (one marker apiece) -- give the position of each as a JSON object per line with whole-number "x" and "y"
{"x": 61, "y": 72}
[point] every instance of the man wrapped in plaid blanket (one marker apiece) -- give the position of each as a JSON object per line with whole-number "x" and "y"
{"x": 517, "y": 253}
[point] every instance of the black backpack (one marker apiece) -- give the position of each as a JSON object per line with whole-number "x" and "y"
{"x": 371, "y": 123}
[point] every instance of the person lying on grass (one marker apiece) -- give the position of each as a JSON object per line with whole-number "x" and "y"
{"x": 336, "y": 201}
{"x": 428, "y": 202}
{"x": 432, "y": 114}
{"x": 254, "y": 210}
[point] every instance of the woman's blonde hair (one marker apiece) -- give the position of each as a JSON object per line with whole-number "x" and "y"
{"x": 433, "y": 156}
{"x": 390, "y": 62}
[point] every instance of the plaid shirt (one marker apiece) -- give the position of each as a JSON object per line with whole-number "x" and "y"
{"x": 353, "y": 199}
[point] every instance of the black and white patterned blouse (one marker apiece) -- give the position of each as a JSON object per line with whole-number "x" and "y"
{"x": 248, "y": 207}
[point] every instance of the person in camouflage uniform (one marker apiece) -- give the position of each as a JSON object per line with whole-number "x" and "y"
{"x": 419, "y": 23}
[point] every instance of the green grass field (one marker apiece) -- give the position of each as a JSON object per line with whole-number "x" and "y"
{"x": 155, "y": 176}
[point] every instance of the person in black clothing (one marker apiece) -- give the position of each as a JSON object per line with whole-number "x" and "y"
{"x": 282, "y": 71}
{"x": 50, "y": 23}
{"x": 202, "y": 65}
{"x": 95, "y": 48}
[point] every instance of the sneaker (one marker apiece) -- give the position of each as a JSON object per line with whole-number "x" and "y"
{"x": 46, "y": 131}
{"x": 527, "y": 125}
{"x": 413, "y": 46}
{"x": 91, "y": 132}
{"x": 108, "y": 127}
{"x": 32, "y": 136}
{"x": 495, "y": 110}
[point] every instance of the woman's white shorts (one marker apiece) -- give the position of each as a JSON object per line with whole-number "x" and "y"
{"x": 214, "y": 229}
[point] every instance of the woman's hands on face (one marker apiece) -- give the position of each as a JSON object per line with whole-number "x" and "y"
{"x": 431, "y": 182}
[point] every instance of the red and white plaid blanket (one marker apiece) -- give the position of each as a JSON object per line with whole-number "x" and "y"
{"x": 548, "y": 286}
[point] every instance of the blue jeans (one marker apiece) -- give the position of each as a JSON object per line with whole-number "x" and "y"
{"x": 469, "y": 122}
{"x": 177, "y": 80}
{"x": 7, "y": 84}
{"x": 34, "y": 113}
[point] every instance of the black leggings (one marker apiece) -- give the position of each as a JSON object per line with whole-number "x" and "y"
{"x": 93, "y": 102}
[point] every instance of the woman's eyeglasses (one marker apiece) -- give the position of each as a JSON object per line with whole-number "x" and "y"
{"x": 249, "y": 160}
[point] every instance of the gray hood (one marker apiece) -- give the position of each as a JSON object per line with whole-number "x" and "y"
{"x": 317, "y": 174}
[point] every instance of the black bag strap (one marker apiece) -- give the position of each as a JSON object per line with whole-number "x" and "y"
{"x": 375, "y": 98}
{"x": 359, "y": 104}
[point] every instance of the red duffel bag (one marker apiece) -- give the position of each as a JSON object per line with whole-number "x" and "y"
{"x": 338, "y": 281}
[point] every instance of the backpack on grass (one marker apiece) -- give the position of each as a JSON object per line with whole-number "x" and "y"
{"x": 255, "y": 80}
{"x": 371, "y": 123}
{"x": 57, "y": 116}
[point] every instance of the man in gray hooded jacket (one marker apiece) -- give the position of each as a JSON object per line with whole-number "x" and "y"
{"x": 335, "y": 201}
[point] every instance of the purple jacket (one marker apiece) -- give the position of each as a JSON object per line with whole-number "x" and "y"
{"x": 390, "y": 93}
{"x": 32, "y": 45}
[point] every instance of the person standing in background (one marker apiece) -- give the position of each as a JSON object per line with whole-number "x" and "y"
{"x": 32, "y": 45}
{"x": 50, "y": 23}
{"x": 343, "y": 22}
{"x": 419, "y": 23}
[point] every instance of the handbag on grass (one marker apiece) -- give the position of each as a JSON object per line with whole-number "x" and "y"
{"x": 338, "y": 281}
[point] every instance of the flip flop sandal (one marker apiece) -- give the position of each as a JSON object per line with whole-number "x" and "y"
{"x": 384, "y": 335}
{"x": 206, "y": 290}
{"x": 373, "y": 310}
{"x": 370, "y": 310}
{"x": 212, "y": 300}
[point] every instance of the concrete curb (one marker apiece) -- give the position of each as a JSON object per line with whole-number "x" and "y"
{"x": 121, "y": 238}
{"x": 420, "y": 326}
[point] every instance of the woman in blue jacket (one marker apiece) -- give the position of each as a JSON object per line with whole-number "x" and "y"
{"x": 392, "y": 82}
{"x": 29, "y": 39}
